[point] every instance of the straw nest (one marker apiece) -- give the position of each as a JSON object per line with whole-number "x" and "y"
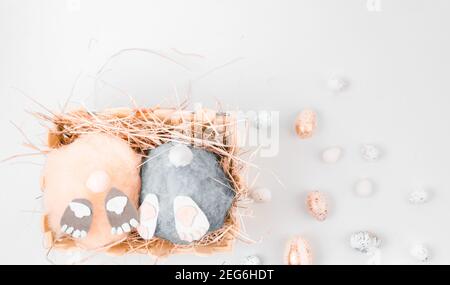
{"x": 145, "y": 129}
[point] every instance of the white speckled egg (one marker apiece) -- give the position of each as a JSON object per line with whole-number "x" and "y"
{"x": 420, "y": 252}
{"x": 317, "y": 205}
{"x": 364, "y": 241}
{"x": 419, "y": 196}
{"x": 261, "y": 195}
{"x": 337, "y": 84}
{"x": 251, "y": 260}
{"x": 298, "y": 252}
{"x": 331, "y": 154}
{"x": 370, "y": 152}
{"x": 364, "y": 187}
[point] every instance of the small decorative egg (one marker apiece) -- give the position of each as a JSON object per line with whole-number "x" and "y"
{"x": 364, "y": 241}
{"x": 298, "y": 252}
{"x": 364, "y": 187}
{"x": 261, "y": 195}
{"x": 419, "y": 196}
{"x": 251, "y": 260}
{"x": 420, "y": 252}
{"x": 73, "y": 257}
{"x": 332, "y": 154}
{"x": 180, "y": 155}
{"x": 316, "y": 203}
{"x": 374, "y": 257}
{"x": 337, "y": 84}
{"x": 370, "y": 152}
{"x": 306, "y": 123}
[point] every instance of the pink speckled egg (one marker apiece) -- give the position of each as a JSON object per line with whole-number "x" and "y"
{"x": 317, "y": 205}
{"x": 298, "y": 252}
{"x": 306, "y": 123}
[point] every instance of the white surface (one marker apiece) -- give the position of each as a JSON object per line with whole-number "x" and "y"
{"x": 282, "y": 55}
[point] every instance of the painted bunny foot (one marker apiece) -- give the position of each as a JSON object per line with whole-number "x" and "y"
{"x": 190, "y": 221}
{"x": 122, "y": 215}
{"x": 77, "y": 218}
{"x": 148, "y": 215}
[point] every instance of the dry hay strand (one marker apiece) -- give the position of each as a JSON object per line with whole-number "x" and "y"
{"x": 144, "y": 130}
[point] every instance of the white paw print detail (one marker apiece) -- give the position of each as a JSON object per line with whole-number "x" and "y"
{"x": 80, "y": 210}
{"x": 122, "y": 215}
{"x": 117, "y": 204}
{"x": 77, "y": 218}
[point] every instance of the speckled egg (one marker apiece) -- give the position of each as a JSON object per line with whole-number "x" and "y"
{"x": 370, "y": 152}
{"x": 298, "y": 252}
{"x": 251, "y": 260}
{"x": 331, "y": 154}
{"x": 420, "y": 252}
{"x": 364, "y": 241}
{"x": 364, "y": 187}
{"x": 337, "y": 84}
{"x": 317, "y": 205}
{"x": 418, "y": 196}
{"x": 306, "y": 123}
{"x": 261, "y": 195}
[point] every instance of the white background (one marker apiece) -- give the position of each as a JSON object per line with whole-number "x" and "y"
{"x": 275, "y": 55}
